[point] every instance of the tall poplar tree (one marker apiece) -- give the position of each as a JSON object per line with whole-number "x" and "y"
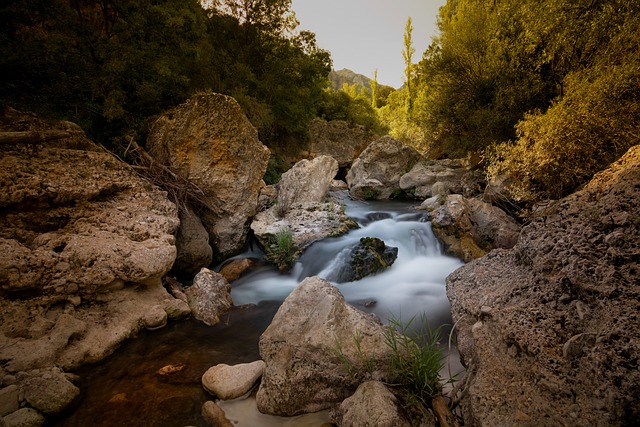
{"x": 374, "y": 89}
{"x": 407, "y": 55}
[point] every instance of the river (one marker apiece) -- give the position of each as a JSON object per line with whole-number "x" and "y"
{"x": 128, "y": 389}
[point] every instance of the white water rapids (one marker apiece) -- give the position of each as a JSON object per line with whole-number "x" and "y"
{"x": 412, "y": 286}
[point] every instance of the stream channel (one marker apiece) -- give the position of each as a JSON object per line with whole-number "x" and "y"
{"x": 129, "y": 389}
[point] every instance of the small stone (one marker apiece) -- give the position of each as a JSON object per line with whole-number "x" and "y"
{"x": 230, "y": 382}
{"x": 214, "y": 415}
{"x": 155, "y": 318}
{"x": 177, "y": 309}
{"x": 486, "y": 310}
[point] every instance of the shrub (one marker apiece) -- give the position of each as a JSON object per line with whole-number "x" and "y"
{"x": 281, "y": 249}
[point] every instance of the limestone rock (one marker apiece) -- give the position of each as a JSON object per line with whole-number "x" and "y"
{"x": 550, "y": 326}
{"x": 303, "y": 373}
{"x": 24, "y": 417}
{"x": 469, "y": 228}
{"x": 339, "y": 140}
{"x": 177, "y": 309}
{"x": 9, "y": 400}
{"x": 209, "y": 140}
{"x": 230, "y": 382}
{"x": 308, "y": 181}
{"x": 192, "y": 244}
{"x": 376, "y": 173}
{"x": 371, "y": 405}
{"x": 233, "y": 269}
{"x": 214, "y": 416}
{"x": 155, "y": 318}
{"x": 209, "y": 296}
{"x": 434, "y": 178}
{"x": 49, "y": 391}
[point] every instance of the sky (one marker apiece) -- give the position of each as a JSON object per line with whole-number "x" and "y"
{"x": 363, "y": 35}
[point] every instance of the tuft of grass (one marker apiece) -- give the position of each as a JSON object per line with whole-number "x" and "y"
{"x": 416, "y": 359}
{"x": 283, "y": 205}
{"x": 282, "y": 250}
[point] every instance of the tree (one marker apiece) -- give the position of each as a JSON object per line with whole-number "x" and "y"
{"x": 407, "y": 55}
{"x": 374, "y": 89}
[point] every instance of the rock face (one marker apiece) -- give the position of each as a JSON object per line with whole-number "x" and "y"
{"x": 371, "y": 405}
{"x": 551, "y": 326}
{"x": 469, "y": 228}
{"x": 338, "y": 140}
{"x": 376, "y": 173}
{"x": 209, "y": 297}
{"x": 303, "y": 372}
{"x": 84, "y": 243}
{"x": 368, "y": 257}
{"x": 434, "y": 178}
{"x": 209, "y": 140}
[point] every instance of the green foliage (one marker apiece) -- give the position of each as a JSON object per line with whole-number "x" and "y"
{"x": 352, "y": 105}
{"x": 275, "y": 168}
{"x": 281, "y": 249}
{"x": 110, "y": 65}
{"x": 370, "y": 193}
{"x": 416, "y": 359}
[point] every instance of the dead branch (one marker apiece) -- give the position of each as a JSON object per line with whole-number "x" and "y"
{"x": 32, "y": 137}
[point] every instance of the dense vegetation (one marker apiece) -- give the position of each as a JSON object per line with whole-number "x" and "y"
{"x": 111, "y": 64}
{"x": 548, "y": 91}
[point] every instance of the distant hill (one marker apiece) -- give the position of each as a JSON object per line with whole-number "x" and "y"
{"x": 340, "y": 77}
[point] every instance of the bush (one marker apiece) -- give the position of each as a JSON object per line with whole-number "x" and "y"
{"x": 281, "y": 249}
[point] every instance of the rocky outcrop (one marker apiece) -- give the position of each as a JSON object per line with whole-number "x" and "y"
{"x": 209, "y": 141}
{"x": 84, "y": 243}
{"x": 372, "y": 404}
{"x": 301, "y": 210}
{"x": 339, "y": 140}
{"x": 376, "y": 173}
{"x": 231, "y": 382}
{"x": 303, "y": 371}
{"x": 435, "y": 178}
{"x": 370, "y": 256}
{"x": 469, "y": 228}
{"x": 549, "y": 329}
{"x": 209, "y": 297}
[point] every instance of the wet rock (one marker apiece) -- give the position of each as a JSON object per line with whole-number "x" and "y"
{"x": 209, "y": 297}
{"x": 209, "y": 140}
{"x": 233, "y": 269}
{"x": 214, "y": 416}
{"x": 376, "y": 173}
{"x": 49, "y": 391}
{"x": 177, "y": 309}
{"x": 560, "y": 341}
{"x": 303, "y": 373}
{"x": 372, "y": 404}
{"x": 230, "y": 382}
{"x": 368, "y": 257}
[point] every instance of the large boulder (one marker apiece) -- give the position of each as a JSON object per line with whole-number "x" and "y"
{"x": 339, "y": 140}
{"x": 376, "y": 173}
{"x": 209, "y": 141}
{"x": 84, "y": 243}
{"x": 304, "y": 372}
{"x": 469, "y": 228}
{"x": 549, "y": 329}
{"x": 435, "y": 178}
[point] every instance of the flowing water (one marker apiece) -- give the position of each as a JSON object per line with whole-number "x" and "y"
{"x": 128, "y": 389}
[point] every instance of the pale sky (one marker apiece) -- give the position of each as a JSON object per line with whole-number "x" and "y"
{"x": 363, "y": 35}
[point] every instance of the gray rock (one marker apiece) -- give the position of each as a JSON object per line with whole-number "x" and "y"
{"x": 303, "y": 371}
{"x": 192, "y": 244}
{"x": 434, "y": 178}
{"x": 230, "y": 382}
{"x": 25, "y": 417}
{"x": 209, "y": 297}
{"x": 209, "y": 140}
{"x": 371, "y": 405}
{"x": 308, "y": 181}
{"x": 376, "y": 173}
{"x": 560, "y": 343}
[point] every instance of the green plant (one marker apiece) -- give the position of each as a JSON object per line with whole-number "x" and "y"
{"x": 416, "y": 359}
{"x": 283, "y": 205}
{"x": 281, "y": 249}
{"x": 360, "y": 369}
{"x": 370, "y": 193}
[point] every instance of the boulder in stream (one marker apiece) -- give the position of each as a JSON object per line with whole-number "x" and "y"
{"x": 209, "y": 297}
{"x": 230, "y": 382}
{"x": 301, "y": 346}
{"x": 372, "y": 404}
{"x": 368, "y": 257}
